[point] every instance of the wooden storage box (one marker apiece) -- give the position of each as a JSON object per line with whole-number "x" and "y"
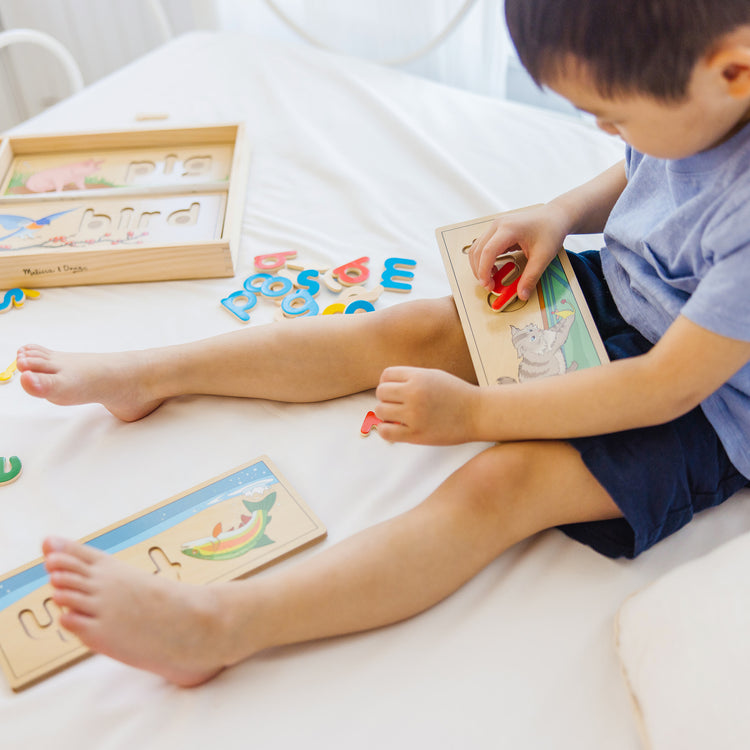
{"x": 132, "y": 205}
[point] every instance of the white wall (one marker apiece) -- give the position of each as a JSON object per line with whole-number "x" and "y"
{"x": 104, "y": 35}
{"x": 473, "y": 57}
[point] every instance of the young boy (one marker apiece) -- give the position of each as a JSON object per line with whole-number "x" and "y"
{"x": 639, "y": 445}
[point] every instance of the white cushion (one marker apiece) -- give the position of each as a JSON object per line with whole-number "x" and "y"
{"x": 684, "y": 647}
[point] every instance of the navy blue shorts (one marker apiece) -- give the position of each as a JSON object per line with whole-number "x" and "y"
{"x": 660, "y": 476}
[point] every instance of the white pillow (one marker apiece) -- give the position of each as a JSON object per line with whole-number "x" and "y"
{"x": 684, "y": 647}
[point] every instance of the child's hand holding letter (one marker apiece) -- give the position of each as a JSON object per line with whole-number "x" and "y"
{"x": 538, "y": 230}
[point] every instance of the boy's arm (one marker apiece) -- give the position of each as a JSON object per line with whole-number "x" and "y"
{"x": 588, "y": 206}
{"x": 540, "y": 230}
{"x": 683, "y": 368}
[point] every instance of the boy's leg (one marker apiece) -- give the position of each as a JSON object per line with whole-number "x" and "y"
{"x": 382, "y": 575}
{"x": 311, "y": 359}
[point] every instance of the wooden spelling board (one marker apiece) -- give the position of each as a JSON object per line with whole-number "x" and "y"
{"x": 220, "y": 530}
{"x": 137, "y": 205}
{"x": 551, "y": 334}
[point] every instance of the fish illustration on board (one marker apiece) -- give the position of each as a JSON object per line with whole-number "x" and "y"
{"x": 236, "y": 541}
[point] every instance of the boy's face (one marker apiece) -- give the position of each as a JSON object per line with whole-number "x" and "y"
{"x": 667, "y": 130}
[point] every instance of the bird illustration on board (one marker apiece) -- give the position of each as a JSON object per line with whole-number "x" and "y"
{"x": 23, "y": 225}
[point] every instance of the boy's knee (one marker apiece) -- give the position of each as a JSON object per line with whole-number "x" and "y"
{"x": 423, "y": 325}
{"x": 500, "y": 476}
{"x": 429, "y": 317}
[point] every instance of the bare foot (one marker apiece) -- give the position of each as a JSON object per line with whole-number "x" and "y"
{"x": 108, "y": 379}
{"x": 174, "y": 629}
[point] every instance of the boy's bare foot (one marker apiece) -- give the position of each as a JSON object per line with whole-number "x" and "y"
{"x": 174, "y": 629}
{"x": 108, "y": 379}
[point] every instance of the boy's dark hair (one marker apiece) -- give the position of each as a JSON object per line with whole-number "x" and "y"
{"x": 629, "y": 46}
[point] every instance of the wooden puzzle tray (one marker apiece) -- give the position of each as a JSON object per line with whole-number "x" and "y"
{"x": 223, "y": 529}
{"x": 551, "y": 334}
{"x": 138, "y": 205}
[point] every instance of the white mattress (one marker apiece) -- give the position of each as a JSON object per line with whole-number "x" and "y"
{"x": 348, "y": 160}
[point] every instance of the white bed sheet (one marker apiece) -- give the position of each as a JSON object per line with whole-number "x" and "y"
{"x": 348, "y": 159}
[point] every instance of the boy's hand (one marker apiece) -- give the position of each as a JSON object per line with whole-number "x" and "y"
{"x": 538, "y": 230}
{"x": 429, "y": 407}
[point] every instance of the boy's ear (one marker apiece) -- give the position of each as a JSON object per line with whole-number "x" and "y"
{"x": 733, "y": 64}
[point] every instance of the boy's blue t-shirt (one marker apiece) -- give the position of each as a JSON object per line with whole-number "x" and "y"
{"x": 678, "y": 243}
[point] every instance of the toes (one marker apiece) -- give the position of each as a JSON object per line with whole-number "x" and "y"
{"x": 54, "y": 545}
{"x": 63, "y": 562}
{"x": 35, "y": 363}
{"x": 32, "y": 349}
{"x": 65, "y": 579}
{"x": 33, "y": 356}
{"x": 78, "y": 624}
{"x": 36, "y": 383}
{"x": 75, "y": 602}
